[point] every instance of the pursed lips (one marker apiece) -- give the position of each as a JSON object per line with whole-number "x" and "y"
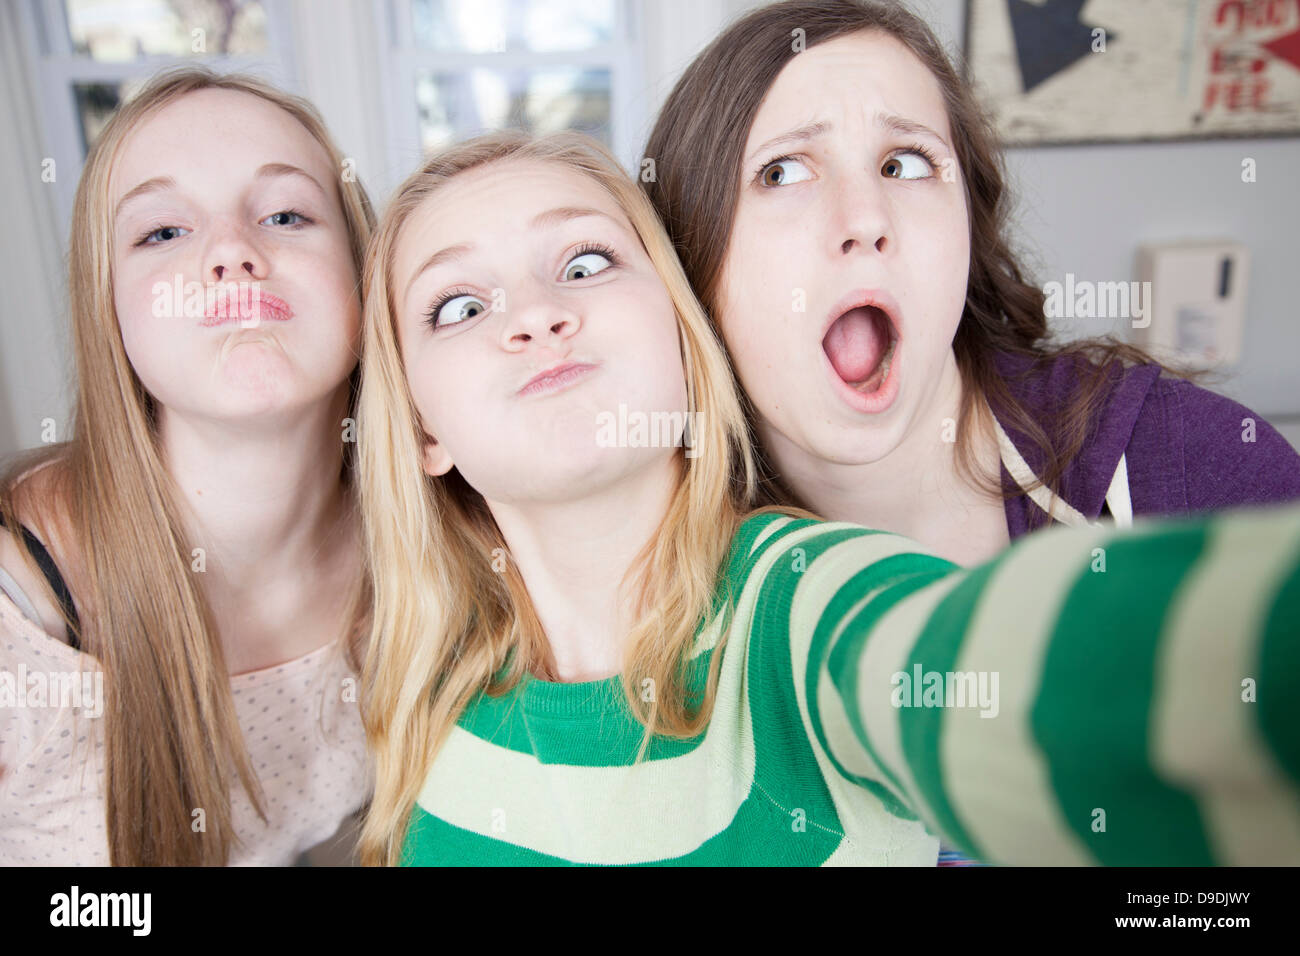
{"x": 247, "y": 306}
{"x": 556, "y": 377}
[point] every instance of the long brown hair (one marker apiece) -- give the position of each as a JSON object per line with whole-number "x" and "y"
{"x": 173, "y": 743}
{"x": 697, "y": 145}
{"x": 452, "y": 615}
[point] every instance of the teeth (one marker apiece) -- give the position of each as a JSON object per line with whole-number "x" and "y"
{"x": 882, "y": 370}
{"x": 889, "y": 357}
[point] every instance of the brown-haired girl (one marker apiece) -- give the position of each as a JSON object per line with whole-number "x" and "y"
{"x": 838, "y": 203}
{"x": 182, "y": 575}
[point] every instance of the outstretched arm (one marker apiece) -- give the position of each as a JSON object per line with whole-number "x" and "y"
{"x": 1090, "y": 696}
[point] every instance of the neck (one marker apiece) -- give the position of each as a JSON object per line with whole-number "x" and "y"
{"x": 573, "y": 558}
{"x": 915, "y": 489}
{"x": 261, "y": 501}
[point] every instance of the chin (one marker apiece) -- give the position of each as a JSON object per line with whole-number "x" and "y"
{"x": 551, "y": 478}
{"x": 857, "y": 443}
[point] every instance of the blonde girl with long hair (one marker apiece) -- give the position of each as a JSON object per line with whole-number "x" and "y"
{"x": 585, "y": 649}
{"x": 183, "y": 579}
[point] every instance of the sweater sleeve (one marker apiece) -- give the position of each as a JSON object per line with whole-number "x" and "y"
{"x": 1092, "y": 695}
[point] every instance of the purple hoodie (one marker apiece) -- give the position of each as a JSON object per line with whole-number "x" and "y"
{"x": 1186, "y": 448}
{"x": 1183, "y": 447}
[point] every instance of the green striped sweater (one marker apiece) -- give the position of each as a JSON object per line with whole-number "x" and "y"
{"x": 1090, "y": 696}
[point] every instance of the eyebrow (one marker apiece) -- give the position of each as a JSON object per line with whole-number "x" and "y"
{"x": 160, "y": 183}
{"x": 886, "y": 121}
{"x": 287, "y": 169}
{"x": 897, "y": 124}
{"x": 543, "y": 220}
{"x": 801, "y": 135}
{"x": 157, "y": 184}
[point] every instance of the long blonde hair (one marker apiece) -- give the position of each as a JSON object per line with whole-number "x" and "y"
{"x": 171, "y": 734}
{"x": 446, "y": 624}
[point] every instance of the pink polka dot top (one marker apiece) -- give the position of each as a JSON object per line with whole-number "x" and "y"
{"x": 302, "y": 728}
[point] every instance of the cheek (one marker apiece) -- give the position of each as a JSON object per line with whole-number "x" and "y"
{"x": 330, "y": 280}
{"x": 444, "y": 394}
{"x": 422, "y": 374}
{"x": 751, "y": 319}
{"x": 143, "y": 333}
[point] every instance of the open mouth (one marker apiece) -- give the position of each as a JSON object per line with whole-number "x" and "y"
{"x": 860, "y": 345}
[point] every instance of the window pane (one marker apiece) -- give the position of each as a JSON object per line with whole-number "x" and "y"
{"x": 119, "y": 30}
{"x": 487, "y": 26}
{"x": 96, "y": 103}
{"x": 455, "y": 105}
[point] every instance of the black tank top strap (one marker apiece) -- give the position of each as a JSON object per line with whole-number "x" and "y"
{"x": 52, "y": 576}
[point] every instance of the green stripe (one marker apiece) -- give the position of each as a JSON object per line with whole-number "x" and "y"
{"x": 1108, "y": 696}
{"x": 904, "y": 574}
{"x": 506, "y": 722}
{"x": 784, "y": 760}
{"x": 1278, "y": 680}
{"x": 921, "y": 728}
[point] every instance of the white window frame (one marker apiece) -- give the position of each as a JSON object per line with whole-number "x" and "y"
{"x": 623, "y": 57}
{"x": 58, "y": 67}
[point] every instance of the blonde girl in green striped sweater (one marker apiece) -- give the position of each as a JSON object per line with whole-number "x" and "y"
{"x": 586, "y": 650}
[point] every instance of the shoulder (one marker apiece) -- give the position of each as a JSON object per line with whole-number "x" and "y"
{"x": 37, "y": 509}
{"x": 780, "y": 561}
{"x": 1230, "y": 455}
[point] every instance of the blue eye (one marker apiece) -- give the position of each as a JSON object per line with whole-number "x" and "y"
{"x": 587, "y": 263}
{"x": 455, "y": 308}
{"x": 783, "y": 171}
{"x": 299, "y": 217}
{"x": 909, "y": 165}
{"x": 161, "y": 235}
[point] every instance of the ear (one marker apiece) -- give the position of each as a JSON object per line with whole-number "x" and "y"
{"x": 436, "y": 459}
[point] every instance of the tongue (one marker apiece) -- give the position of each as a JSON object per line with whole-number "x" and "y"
{"x": 855, "y": 345}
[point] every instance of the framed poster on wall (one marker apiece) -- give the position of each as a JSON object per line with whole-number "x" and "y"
{"x": 1088, "y": 71}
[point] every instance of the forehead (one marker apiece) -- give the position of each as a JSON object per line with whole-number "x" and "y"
{"x": 862, "y": 73}
{"x": 509, "y": 193}
{"x": 496, "y": 203}
{"x": 215, "y": 136}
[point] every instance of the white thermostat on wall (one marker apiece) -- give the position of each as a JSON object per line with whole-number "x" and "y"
{"x": 1196, "y": 302}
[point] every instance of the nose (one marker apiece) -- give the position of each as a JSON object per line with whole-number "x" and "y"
{"x": 862, "y": 215}
{"x": 234, "y": 255}
{"x": 538, "y": 318}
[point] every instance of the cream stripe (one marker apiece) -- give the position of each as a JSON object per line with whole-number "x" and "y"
{"x": 1118, "y": 498}
{"x": 886, "y": 654}
{"x": 776, "y": 525}
{"x": 833, "y": 569}
{"x": 1058, "y": 509}
{"x": 844, "y": 744}
{"x": 660, "y": 808}
{"x": 873, "y": 835}
{"x": 1204, "y": 737}
{"x": 995, "y": 775}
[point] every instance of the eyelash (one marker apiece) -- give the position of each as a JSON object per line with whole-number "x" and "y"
{"x": 431, "y": 316}
{"x": 923, "y": 151}
{"x": 142, "y": 240}
{"x": 919, "y": 148}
